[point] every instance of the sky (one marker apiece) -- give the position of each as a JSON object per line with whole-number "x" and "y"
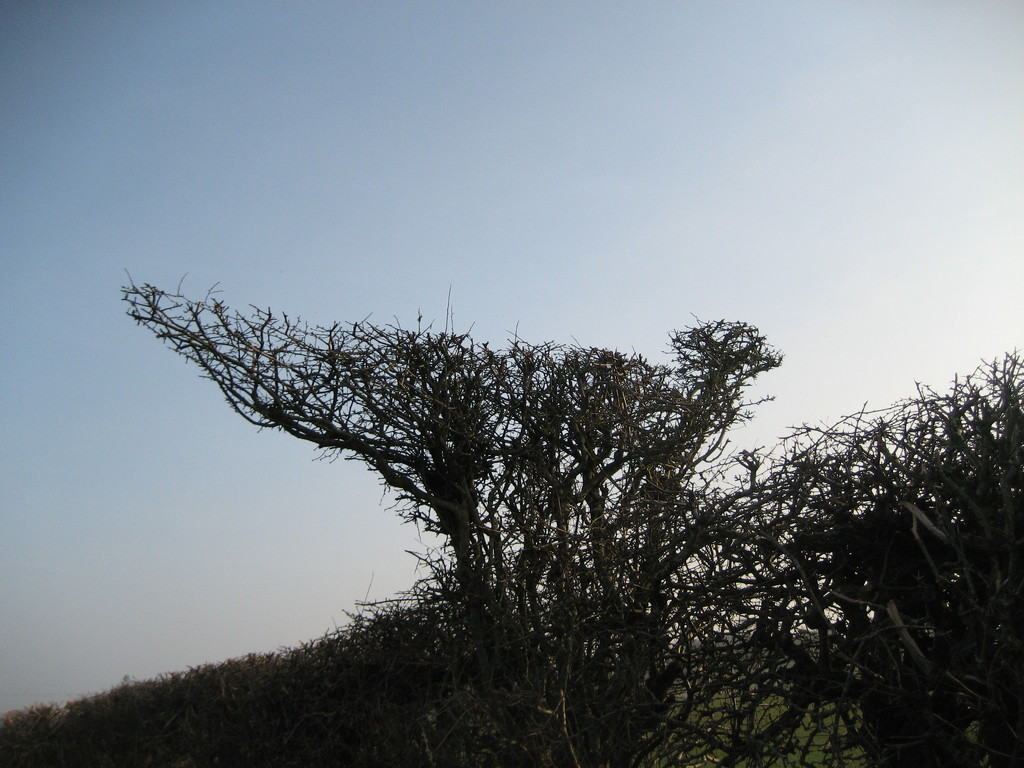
{"x": 846, "y": 176}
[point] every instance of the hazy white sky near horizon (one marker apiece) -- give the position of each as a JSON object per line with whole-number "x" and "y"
{"x": 847, "y": 176}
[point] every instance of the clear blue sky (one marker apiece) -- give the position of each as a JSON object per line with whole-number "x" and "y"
{"x": 848, "y": 176}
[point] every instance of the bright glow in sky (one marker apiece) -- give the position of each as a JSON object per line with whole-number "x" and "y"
{"x": 849, "y": 177}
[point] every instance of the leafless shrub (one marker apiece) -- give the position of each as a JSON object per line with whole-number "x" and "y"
{"x": 566, "y": 483}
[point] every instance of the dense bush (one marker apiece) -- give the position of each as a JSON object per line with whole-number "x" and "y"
{"x": 885, "y": 576}
{"x": 370, "y": 695}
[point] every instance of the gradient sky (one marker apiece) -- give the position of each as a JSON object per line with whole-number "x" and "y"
{"x": 848, "y": 176}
